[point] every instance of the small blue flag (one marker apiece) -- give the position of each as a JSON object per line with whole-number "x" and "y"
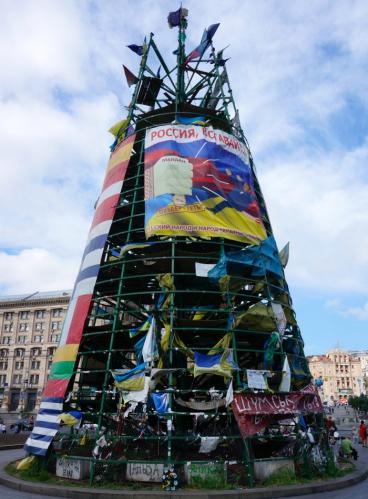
{"x": 174, "y": 18}
{"x": 161, "y": 401}
{"x": 138, "y": 49}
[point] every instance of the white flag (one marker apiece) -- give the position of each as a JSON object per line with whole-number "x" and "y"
{"x": 286, "y": 377}
{"x": 279, "y": 314}
{"x": 229, "y": 394}
{"x": 149, "y": 347}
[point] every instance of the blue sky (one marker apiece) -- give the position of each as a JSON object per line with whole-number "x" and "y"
{"x": 299, "y": 76}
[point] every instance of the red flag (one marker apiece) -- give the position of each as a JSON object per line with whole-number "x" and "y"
{"x": 130, "y": 77}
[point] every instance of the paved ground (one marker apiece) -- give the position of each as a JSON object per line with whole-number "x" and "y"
{"x": 344, "y": 422}
{"x": 5, "y": 493}
{"x": 345, "y": 419}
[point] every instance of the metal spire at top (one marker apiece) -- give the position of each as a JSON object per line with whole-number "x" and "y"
{"x": 183, "y": 23}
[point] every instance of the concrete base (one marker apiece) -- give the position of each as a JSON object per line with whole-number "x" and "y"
{"x": 41, "y": 489}
{"x": 264, "y": 469}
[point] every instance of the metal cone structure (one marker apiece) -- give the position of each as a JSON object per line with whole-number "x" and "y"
{"x": 180, "y": 343}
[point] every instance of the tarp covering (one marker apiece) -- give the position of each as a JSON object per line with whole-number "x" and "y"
{"x": 253, "y": 261}
{"x": 258, "y": 317}
{"x": 198, "y": 182}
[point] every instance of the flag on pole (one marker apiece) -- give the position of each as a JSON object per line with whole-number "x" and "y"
{"x": 174, "y": 18}
{"x": 219, "y": 59}
{"x": 205, "y": 41}
{"x": 130, "y": 77}
{"x": 284, "y": 255}
{"x": 217, "y": 89}
{"x": 138, "y": 49}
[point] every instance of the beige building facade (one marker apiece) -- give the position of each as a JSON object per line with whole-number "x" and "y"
{"x": 30, "y": 329}
{"x": 341, "y": 372}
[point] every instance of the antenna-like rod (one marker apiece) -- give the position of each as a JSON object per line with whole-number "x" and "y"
{"x": 180, "y": 86}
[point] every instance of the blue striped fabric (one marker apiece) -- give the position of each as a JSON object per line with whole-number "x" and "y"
{"x": 88, "y": 272}
{"x": 97, "y": 242}
{"x": 47, "y": 422}
{"x": 46, "y": 426}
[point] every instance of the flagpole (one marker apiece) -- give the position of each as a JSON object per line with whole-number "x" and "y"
{"x": 180, "y": 87}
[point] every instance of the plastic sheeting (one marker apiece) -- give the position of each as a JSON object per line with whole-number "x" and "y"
{"x": 253, "y": 261}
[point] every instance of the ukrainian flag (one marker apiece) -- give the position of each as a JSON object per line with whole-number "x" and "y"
{"x": 221, "y": 364}
{"x": 71, "y": 418}
{"x": 132, "y": 380}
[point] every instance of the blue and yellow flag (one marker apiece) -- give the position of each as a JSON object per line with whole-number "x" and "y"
{"x": 221, "y": 364}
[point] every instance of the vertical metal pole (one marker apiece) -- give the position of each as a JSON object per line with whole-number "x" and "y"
{"x": 172, "y": 302}
{"x": 116, "y": 318}
{"x": 180, "y": 87}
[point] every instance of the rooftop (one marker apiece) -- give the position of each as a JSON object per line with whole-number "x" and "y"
{"x": 37, "y": 295}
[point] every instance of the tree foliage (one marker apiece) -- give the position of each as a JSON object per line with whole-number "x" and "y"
{"x": 360, "y": 403}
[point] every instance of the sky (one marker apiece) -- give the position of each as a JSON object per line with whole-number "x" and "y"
{"x": 298, "y": 71}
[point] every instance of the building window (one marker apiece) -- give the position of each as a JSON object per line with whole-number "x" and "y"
{"x": 40, "y": 314}
{"x": 24, "y": 315}
{"x": 39, "y": 326}
{"x": 49, "y": 364}
{"x": 23, "y": 326}
{"x": 19, "y": 352}
{"x": 51, "y": 351}
{"x": 2, "y": 379}
{"x": 38, "y": 338}
{"x": 8, "y": 327}
{"x": 57, "y": 312}
{"x": 3, "y": 353}
{"x": 17, "y": 379}
{"x": 55, "y": 337}
{"x": 22, "y": 339}
{"x": 19, "y": 365}
{"x": 35, "y": 351}
{"x": 3, "y": 366}
{"x": 55, "y": 326}
{"x": 8, "y": 316}
{"x": 34, "y": 379}
{"x": 5, "y": 340}
{"x": 35, "y": 364}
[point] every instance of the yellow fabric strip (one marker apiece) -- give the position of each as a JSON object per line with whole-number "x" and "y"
{"x": 122, "y": 154}
{"x": 66, "y": 352}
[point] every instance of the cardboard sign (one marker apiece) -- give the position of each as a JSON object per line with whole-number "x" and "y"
{"x": 256, "y": 379}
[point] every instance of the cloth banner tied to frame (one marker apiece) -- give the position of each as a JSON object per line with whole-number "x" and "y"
{"x": 198, "y": 182}
{"x": 253, "y": 412}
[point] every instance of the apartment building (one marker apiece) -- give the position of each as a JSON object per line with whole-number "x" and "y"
{"x": 341, "y": 372}
{"x": 30, "y": 329}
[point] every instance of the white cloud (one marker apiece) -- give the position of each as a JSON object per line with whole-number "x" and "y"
{"x": 36, "y": 270}
{"x": 293, "y": 67}
{"x": 357, "y": 312}
{"x": 323, "y": 210}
